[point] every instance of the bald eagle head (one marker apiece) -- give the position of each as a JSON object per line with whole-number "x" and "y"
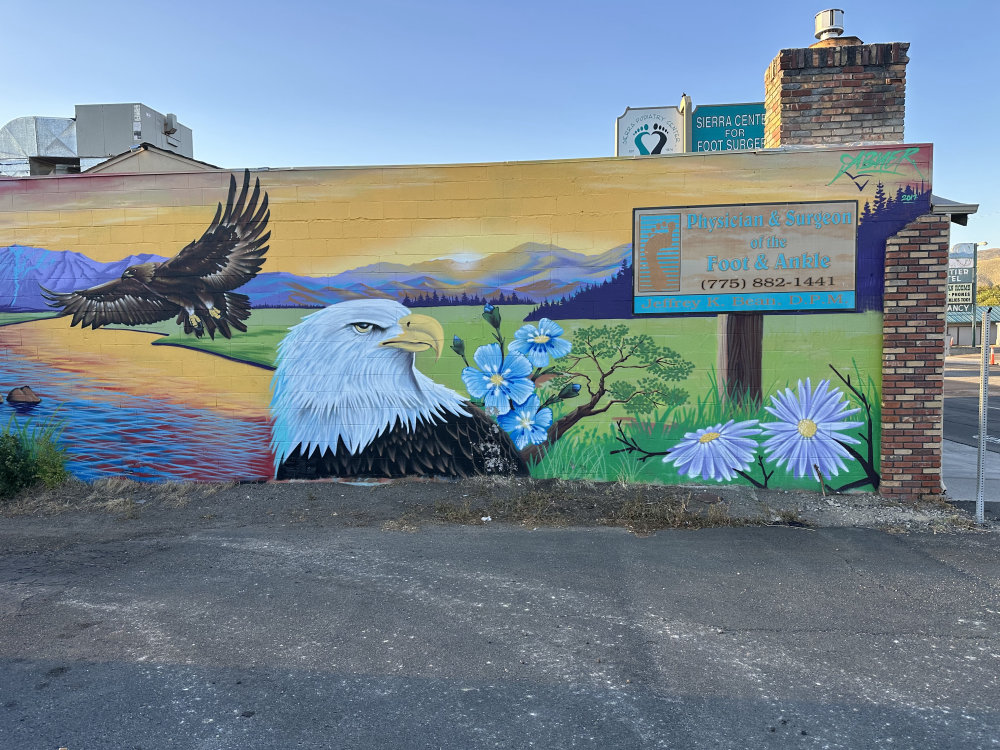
{"x": 347, "y": 373}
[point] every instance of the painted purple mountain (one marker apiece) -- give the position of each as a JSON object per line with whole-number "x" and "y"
{"x": 533, "y": 271}
{"x": 26, "y": 269}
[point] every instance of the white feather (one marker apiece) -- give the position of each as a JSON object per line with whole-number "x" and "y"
{"x": 334, "y": 383}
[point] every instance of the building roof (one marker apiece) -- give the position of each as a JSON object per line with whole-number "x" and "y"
{"x": 957, "y": 212}
{"x": 955, "y": 318}
{"x": 145, "y": 157}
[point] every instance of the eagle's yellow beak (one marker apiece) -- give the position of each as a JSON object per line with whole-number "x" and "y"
{"x": 420, "y": 332}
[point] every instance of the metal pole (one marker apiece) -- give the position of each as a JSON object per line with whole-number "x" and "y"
{"x": 984, "y": 398}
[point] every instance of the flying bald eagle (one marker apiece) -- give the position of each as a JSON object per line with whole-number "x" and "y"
{"x": 195, "y": 285}
{"x": 347, "y": 401}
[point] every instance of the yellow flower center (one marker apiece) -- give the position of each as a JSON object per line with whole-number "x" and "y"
{"x": 541, "y": 339}
{"x": 496, "y": 380}
{"x": 708, "y": 437}
{"x": 807, "y": 428}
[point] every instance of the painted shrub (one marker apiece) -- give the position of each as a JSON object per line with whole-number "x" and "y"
{"x": 456, "y": 320}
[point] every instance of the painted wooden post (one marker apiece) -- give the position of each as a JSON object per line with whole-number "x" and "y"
{"x": 741, "y": 348}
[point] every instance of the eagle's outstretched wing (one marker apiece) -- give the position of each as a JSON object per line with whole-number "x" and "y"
{"x": 231, "y": 251}
{"x": 123, "y": 301}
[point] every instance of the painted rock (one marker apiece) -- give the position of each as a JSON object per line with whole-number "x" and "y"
{"x": 23, "y": 395}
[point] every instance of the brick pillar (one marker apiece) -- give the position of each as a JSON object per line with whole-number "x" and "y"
{"x": 836, "y": 92}
{"x": 913, "y": 328}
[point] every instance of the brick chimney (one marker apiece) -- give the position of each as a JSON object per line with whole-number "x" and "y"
{"x": 837, "y": 91}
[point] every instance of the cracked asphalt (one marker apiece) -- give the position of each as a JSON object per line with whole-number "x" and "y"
{"x": 214, "y": 628}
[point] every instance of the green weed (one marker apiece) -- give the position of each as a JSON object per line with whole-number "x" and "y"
{"x": 31, "y": 454}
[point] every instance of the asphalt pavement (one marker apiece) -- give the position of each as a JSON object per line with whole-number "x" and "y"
{"x": 118, "y": 635}
{"x": 216, "y": 628}
{"x": 963, "y": 383}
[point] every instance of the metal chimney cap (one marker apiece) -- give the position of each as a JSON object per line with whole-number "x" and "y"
{"x": 829, "y": 23}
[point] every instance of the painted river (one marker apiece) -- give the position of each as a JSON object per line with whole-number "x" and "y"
{"x": 111, "y": 432}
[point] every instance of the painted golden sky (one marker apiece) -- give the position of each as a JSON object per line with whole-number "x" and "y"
{"x": 324, "y": 221}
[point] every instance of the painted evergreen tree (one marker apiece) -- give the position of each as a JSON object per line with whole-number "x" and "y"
{"x": 880, "y": 198}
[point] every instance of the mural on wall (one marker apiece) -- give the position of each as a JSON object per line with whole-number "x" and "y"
{"x": 459, "y": 320}
{"x": 195, "y": 285}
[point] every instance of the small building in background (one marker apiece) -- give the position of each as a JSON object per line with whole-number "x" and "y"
{"x": 960, "y": 328}
{"x": 149, "y": 159}
{"x": 36, "y": 145}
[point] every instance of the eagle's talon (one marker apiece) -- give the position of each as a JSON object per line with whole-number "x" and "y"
{"x": 194, "y": 320}
{"x": 214, "y": 312}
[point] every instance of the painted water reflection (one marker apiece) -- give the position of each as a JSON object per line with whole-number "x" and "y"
{"x": 111, "y": 432}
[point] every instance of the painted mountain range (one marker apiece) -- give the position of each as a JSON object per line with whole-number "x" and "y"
{"x": 533, "y": 271}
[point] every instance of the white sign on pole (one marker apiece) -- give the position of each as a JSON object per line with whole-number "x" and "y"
{"x": 962, "y": 279}
{"x": 649, "y": 130}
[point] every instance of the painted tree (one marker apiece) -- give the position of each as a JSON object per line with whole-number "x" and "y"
{"x": 880, "y": 198}
{"x": 606, "y": 365}
{"x": 613, "y": 367}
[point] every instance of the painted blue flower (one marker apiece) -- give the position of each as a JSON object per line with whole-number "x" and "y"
{"x": 810, "y": 430}
{"x": 527, "y": 423}
{"x": 499, "y": 380}
{"x": 540, "y": 342}
{"x": 717, "y": 452}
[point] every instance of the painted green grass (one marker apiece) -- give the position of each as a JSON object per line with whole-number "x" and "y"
{"x": 794, "y": 346}
{"x": 8, "y": 318}
{"x": 259, "y": 345}
{"x": 468, "y": 324}
{"x": 608, "y": 451}
{"x": 801, "y": 346}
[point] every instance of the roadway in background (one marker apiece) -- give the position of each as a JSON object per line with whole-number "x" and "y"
{"x": 961, "y": 402}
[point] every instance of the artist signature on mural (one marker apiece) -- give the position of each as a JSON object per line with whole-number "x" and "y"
{"x": 865, "y": 164}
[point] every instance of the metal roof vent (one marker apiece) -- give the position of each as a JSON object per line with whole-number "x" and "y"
{"x": 829, "y": 23}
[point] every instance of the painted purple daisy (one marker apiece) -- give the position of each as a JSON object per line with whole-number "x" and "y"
{"x": 540, "y": 342}
{"x": 810, "y": 430}
{"x": 716, "y": 452}
{"x": 499, "y": 380}
{"x": 527, "y": 423}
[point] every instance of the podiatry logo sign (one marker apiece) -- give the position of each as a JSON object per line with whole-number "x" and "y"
{"x": 727, "y": 127}
{"x": 769, "y": 257}
{"x": 649, "y": 130}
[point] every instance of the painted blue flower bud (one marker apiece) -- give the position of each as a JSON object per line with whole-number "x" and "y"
{"x": 491, "y": 314}
{"x": 569, "y": 390}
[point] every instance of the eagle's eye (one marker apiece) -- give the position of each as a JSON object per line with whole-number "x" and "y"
{"x": 364, "y": 327}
